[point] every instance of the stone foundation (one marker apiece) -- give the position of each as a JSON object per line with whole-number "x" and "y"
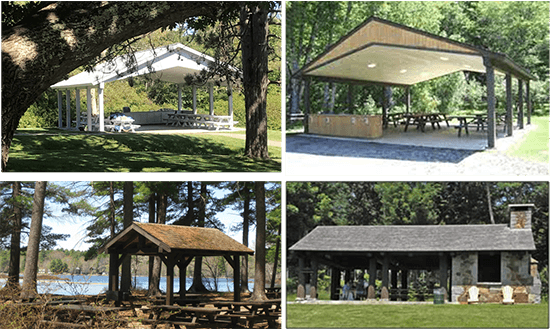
{"x": 491, "y": 294}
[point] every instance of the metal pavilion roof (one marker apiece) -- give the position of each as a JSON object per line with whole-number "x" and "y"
{"x": 168, "y": 63}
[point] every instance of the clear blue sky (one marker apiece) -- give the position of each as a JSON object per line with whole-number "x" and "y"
{"x": 76, "y": 225}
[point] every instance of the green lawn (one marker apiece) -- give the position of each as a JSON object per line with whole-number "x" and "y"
{"x": 54, "y": 150}
{"x": 353, "y": 316}
{"x": 535, "y": 146}
{"x": 272, "y": 135}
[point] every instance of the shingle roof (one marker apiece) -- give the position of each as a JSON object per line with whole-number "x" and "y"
{"x": 416, "y": 238}
{"x": 182, "y": 238}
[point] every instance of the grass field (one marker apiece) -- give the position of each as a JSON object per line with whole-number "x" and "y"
{"x": 467, "y": 316}
{"x": 54, "y": 150}
{"x": 535, "y": 146}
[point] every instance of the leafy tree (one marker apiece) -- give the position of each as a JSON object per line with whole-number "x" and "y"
{"x": 58, "y": 266}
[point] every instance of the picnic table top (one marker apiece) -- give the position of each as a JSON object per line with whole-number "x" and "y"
{"x": 88, "y": 308}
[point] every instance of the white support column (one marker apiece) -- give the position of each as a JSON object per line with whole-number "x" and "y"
{"x": 101, "y": 109}
{"x": 179, "y": 97}
{"x": 230, "y": 103}
{"x": 211, "y": 93}
{"x": 77, "y": 100}
{"x": 194, "y": 99}
{"x": 89, "y": 107}
{"x": 59, "y": 109}
{"x": 68, "y": 98}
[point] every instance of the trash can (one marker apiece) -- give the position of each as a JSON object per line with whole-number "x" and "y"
{"x": 439, "y": 296}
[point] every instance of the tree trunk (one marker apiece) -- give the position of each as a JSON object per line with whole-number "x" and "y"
{"x": 274, "y": 274}
{"x": 489, "y": 203}
{"x": 112, "y": 214}
{"x": 126, "y": 277}
{"x": 254, "y": 32}
{"x": 197, "y": 285}
{"x": 157, "y": 265}
{"x": 31, "y": 263}
{"x": 152, "y": 212}
{"x": 40, "y": 52}
{"x": 15, "y": 244}
{"x": 259, "y": 274}
{"x": 246, "y": 224}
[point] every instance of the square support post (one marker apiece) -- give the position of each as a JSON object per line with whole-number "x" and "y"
{"x": 59, "y": 109}
{"x": 528, "y": 101}
{"x": 113, "y": 272}
{"x": 372, "y": 277}
{"x": 68, "y": 105}
{"x": 490, "y": 77}
{"x": 509, "y": 111}
{"x": 77, "y": 101}
{"x": 443, "y": 267}
{"x": 89, "y": 107}
{"x": 408, "y": 99}
{"x": 405, "y": 283}
{"x": 334, "y": 283}
{"x": 520, "y": 104}
{"x": 183, "y": 282}
{"x": 169, "y": 280}
{"x": 385, "y": 278}
{"x": 100, "y": 93}
{"x": 237, "y": 278}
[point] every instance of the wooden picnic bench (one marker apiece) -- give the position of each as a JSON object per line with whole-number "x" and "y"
{"x": 202, "y": 317}
{"x": 191, "y": 120}
{"x": 253, "y": 311}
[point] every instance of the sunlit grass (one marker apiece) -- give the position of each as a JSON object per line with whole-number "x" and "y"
{"x": 535, "y": 146}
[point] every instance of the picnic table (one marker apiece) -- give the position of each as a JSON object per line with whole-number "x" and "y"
{"x": 121, "y": 124}
{"x": 223, "y": 314}
{"x": 421, "y": 119}
{"x": 189, "y": 119}
{"x": 82, "y": 313}
{"x": 464, "y": 120}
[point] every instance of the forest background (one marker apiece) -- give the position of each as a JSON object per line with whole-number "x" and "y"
{"x": 518, "y": 29}
{"x": 310, "y": 204}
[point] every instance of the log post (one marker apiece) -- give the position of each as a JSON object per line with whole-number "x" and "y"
{"x": 68, "y": 114}
{"x": 372, "y": 276}
{"x": 169, "y": 279}
{"x": 237, "y": 278}
{"x": 77, "y": 100}
{"x": 490, "y": 77}
{"x": 405, "y": 282}
{"x": 443, "y": 267}
{"x": 89, "y": 107}
{"x": 520, "y": 104}
{"x": 307, "y": 106}
{"x": 528, "y": 101}
{"x": 59, "y": 109}
{"x": 509, "y": 103}
{"x": 334, "y": 283}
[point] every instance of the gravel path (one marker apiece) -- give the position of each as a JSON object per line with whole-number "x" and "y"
{"x": 315, "y": 155}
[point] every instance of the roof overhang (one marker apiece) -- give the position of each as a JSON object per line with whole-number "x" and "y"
{"x": 170, "y": 63}
{"x": 383, "y": 52}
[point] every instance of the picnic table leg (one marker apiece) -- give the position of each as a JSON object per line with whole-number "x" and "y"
{"x": 421, "y": 124}
{"x": 460, "y": 126}
{"x": 407, "y": 123}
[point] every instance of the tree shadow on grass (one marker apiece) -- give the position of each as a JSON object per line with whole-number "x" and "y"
{"x": 131, "y": 152}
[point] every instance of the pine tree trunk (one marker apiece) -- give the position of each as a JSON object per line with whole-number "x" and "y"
{"x": 259, "y": 274}
{"x": 15, "y": 244}
{"x": 126, "y": 275}
{"x": 162, "y": 200}
{"x": 246, "y": 224}
{"x": 31, "y": 263}
{"x": 254, "y": 31}
{"x": 152, "y": 212}
{"x": 197, "y": 285}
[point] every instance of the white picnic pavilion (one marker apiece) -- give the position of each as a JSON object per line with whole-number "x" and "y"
{"x": 170, "y": 63}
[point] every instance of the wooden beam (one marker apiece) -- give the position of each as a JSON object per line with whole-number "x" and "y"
{"x": 230, "y": 261}
{"x": 237, "y": 279}
{"x": 520, "y": 104}
{"x": 170, "y": 280}
{"x": 491, "y": 122}
{"x": 509, "y": 106}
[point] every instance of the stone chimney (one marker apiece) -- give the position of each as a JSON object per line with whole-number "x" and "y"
{"x": 520, "y": 215}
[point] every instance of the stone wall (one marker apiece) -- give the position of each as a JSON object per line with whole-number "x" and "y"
{"x": 516, "y": 272}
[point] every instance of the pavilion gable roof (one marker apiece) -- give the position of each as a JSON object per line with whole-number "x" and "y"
{"x": 380, "y": 51}
{"x": 416, "y": 238}
{"x": 168, "y": 63}
{"x": 175, "y": 238}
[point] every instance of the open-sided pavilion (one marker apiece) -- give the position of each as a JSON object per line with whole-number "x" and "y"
{"x": 170, "y": 63}
{"x": 385, "y": 53}
{"x": 176, "y": 246}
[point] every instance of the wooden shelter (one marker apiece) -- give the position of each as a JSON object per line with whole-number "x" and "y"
{"x": 386, "y": 53}
{"x": 176, "y": 246}
{"x": 489, "y": 257}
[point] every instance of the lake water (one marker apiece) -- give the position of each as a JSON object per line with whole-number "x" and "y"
{"x": 96, "y": 284}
